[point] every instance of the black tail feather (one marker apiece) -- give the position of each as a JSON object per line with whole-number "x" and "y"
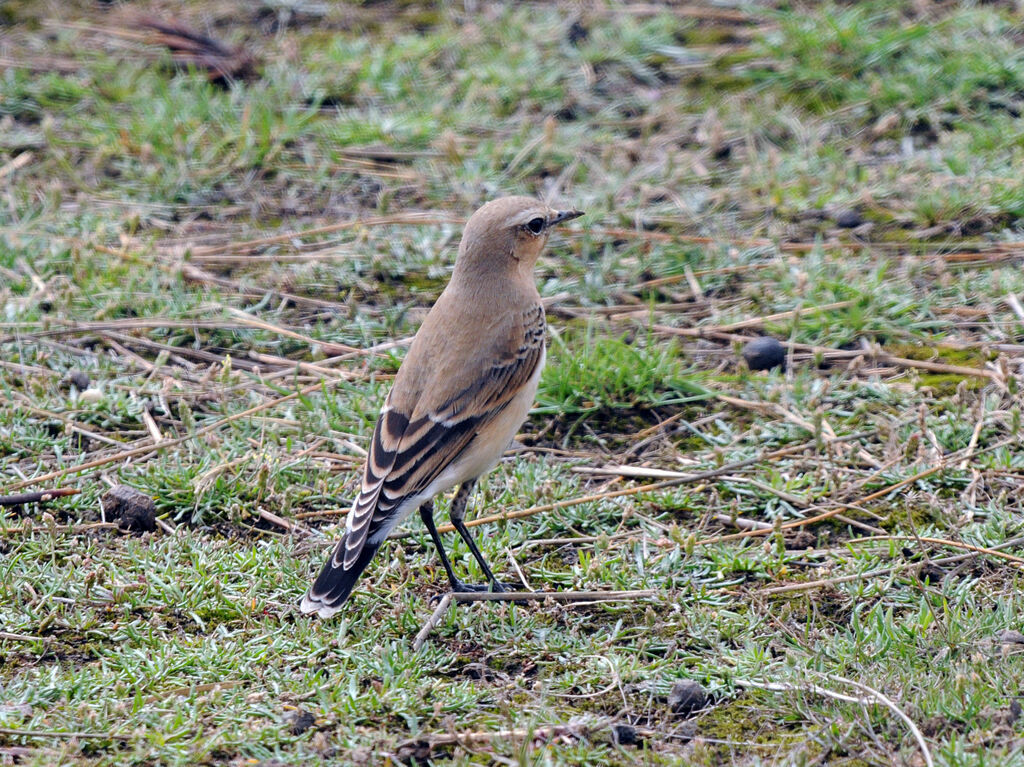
{"x": 334, "y": 583}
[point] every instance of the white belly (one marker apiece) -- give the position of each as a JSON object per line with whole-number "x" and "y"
{"x": 492, "y": 440}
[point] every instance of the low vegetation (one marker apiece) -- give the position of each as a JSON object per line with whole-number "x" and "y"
{"x": 214, "y": 252}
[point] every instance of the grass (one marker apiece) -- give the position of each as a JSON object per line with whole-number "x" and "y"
{"x": 715, "y": 153}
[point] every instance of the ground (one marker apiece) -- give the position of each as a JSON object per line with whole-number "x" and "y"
{"x": 213, "y": 254}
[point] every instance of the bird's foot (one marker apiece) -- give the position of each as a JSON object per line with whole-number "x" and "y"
{"x": 458, "y": 587}
{"x": 476, "y": 588}
{"x": 500, "y": 587}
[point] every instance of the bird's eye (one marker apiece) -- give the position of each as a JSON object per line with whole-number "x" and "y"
{"x": 536, "y": 225}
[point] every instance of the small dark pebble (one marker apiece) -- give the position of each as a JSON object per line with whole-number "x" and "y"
{"x": 132, "y": 509}
{"x": 686, "y": 697}
{"x": 79, "y": 379}
{"x": 686, "y": 731}
{"x": 802, "y": 539}
{"x": 415, "y": 752}
{"x": 764, "y": 353}
{"x": 577, "y": 33}
{"x": 849, "y": 219}
{"x": 299, "y": 721}
{"x": 930, "y": 573}
{"x": 1015, "y": 710}
{"x": 478, "y": 671}
{"x": 624, "y": 735}
{"x": 1009, "y": 636}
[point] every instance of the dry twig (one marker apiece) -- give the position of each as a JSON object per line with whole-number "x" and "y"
{"x": 40, "y": 496}
{"x": 432, "y": 622}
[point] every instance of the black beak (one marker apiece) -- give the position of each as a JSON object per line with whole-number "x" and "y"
{"x": 564, "y": 215}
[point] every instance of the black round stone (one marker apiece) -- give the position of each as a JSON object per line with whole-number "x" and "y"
{"x": 849, "y": 219}
{"x": 686, "y": 697}
{"x": 764, "y": 353}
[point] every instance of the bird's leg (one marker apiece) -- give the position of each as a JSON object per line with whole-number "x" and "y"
{"x": 458, "y": 515}
{"x": 427, "y": 515}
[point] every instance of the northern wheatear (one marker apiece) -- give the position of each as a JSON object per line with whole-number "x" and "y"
{"x": 463, "y": 390}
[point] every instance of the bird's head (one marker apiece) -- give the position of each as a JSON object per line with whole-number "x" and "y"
{"x": 507, "y": 235}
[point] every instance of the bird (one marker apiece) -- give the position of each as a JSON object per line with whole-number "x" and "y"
{"x": 461, "y": 393}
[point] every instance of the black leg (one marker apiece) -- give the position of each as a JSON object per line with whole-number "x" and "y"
{"x": 427, "y": 515}
{"x": 458, "y": 515}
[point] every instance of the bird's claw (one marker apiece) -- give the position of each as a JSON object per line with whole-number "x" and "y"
{"x": 459, "y": 587}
